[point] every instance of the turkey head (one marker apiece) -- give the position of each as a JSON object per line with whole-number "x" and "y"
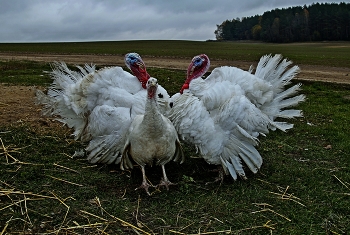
{"x": 135, "y": 63}
{"x": 197, "y": 68}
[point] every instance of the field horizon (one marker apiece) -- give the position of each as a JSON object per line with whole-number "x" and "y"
{"x": 312, "y": 53}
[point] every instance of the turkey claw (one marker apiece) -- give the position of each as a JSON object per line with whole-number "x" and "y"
{"x": 165, "y": 183}
{"x": 220, "y": 176}
{"x": 145, "y": 186}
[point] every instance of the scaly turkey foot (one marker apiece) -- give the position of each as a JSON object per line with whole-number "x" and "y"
{"x": 166, "y": 183}
{"x": 220, "y": 177}
{"x": 145, "y": 186}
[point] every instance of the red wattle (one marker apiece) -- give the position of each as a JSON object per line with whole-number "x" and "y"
{"x": 142, "y": 75}
{"x": 184, "y": 87}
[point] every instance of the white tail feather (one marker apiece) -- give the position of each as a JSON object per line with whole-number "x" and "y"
{"x": 275, "y": 70}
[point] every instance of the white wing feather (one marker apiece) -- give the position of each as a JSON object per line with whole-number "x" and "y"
{"x": 224, "y": 114}
{"x": 98, "y": 104}
{"x": 220, "y": 142}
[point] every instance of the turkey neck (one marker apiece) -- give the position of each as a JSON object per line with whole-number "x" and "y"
{"x": 152, "y": 120}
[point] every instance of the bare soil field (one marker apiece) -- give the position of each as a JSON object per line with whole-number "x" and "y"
{"x": 17, "y": 102}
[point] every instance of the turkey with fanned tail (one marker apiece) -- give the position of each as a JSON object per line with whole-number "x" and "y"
{"x": 100, "y": 105}
{"x": 224, "y": 114}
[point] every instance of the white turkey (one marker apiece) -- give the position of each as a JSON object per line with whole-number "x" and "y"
{"x": 101, "y": 105}
{"x": 151, "y": 137}
{"x": 224, "y": 114}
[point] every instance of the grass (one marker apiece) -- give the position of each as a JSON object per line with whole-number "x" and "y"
{"x": 324, "y": 53}
{"x": 24, "y": 73}
{"x": 303, "y": 186}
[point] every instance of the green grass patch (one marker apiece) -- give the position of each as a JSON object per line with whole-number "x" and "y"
{"x": 303, "y": 186}
{"x": 320, "y": 53}
{"x": 24, "y": 73}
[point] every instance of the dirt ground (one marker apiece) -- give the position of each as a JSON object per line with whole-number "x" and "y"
{"x": 17, "y": 102}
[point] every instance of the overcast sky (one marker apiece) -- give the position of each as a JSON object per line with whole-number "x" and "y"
{"x": 116, "y": 20}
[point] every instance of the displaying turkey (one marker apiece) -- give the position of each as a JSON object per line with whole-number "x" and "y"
{"x": 224, "y": 114}
{"x": 151, "y": 137}
{"x": 97, "y": 103}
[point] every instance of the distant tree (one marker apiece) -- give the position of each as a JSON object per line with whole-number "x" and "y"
{"x": 219, "y": 32}
{"x": 326, "y": 21}
{"x": 275, "y": 30}
{"x": 256, "y": 31}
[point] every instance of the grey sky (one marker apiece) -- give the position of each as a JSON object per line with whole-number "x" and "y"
{"x": 102, "y": 20}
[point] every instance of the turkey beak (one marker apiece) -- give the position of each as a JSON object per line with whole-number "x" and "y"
{"x": 153, "y": 83}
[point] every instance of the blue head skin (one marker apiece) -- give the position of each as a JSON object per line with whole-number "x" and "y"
{"x": 197, "y": 61}
{"x": 132, "y": 58}
{"x": 135, "y": 63}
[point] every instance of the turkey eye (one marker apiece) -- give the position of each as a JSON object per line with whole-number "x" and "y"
{"x": 197, "y": 61}
{"x": 160, "y": 95}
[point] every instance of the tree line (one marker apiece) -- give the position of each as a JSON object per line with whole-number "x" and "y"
{"x": 316, "y": 22}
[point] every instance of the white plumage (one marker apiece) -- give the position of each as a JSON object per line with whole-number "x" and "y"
{"x": 224, "y": 114}
{"x": 100, "y": 104}
{"x": 151, "y": 137}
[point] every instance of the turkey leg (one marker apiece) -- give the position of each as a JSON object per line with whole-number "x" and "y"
{"x": 165, "y": 181}
{"x": 144, "y": 184}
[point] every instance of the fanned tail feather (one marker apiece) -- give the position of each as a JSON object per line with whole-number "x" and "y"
{"x": 290, "y": 113}
{"x": 251, "y": 69}
{"x": 290, "y": 102}
{"x": 63, "y": 98}
{"x": 275, "y": 70}
{"x": 87, "y": 69}
{"x": 283, "y": 126}
{"x": 54, "y": 106}
{"x": 289, "y": 92}
{"x": 266, "y": 68}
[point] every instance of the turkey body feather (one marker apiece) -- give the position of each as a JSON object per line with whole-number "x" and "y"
{"x": 224, "y": 114}
{"x": 151, "y": 137}
{"x": 99, "y": 105}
